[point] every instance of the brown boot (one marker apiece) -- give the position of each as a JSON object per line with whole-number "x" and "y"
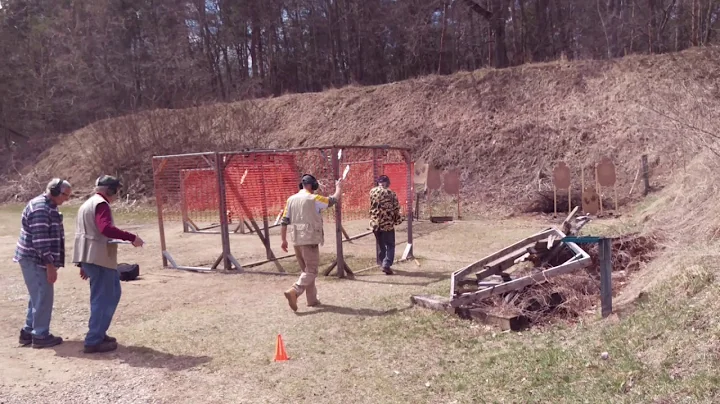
{"x": 291, "y": 297}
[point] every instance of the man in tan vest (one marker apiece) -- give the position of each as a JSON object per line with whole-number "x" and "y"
{"x": 302, "y": 215}
{"x": 97, "y": 259}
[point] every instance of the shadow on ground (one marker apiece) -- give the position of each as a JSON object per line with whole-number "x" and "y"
{"x": 432, "y": 277}
{"x": 135, "y": 356}
{"x": 349, "y": 311}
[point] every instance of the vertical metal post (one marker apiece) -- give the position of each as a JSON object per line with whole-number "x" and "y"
{"x": 224, "y": 228}
{"x": 338, "y": 218}
{"x": 409, "y": 203}
{"x": 646, "y": 174}
{"x": 158, "y": 202}
{"x": 605, "y": 249}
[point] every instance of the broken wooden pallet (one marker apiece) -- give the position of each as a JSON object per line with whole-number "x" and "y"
{"x": 539, "y": 249}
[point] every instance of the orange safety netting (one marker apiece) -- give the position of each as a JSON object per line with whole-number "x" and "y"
{"x": 260, "y": 184}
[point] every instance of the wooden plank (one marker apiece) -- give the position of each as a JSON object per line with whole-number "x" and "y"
{"x": 513, "y": 323}
{"x": 488, "y": 284}
{"x": 433, "y": 302}
{"x": 194, "y": 269}
{"x": 338, "y": 217}
{"x": 501, "y": 264}
{"x": 357, "y": 236}
{"x": 258, "y": 263}
{"x": 539, "y": 277}
{"x": 347, "y": 236}
{"x": 330, "y": 268}
{"x": 492, "y": 257}
{"x": 441, "y": 219}
{"x": 217, "y": 262}
{"x": 224, "y": 226}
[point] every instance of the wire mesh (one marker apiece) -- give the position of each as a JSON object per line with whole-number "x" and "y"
{"x": 186, "y": 188}
{"x": 257, "y": 184}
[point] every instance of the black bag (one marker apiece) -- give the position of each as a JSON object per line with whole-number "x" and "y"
{"x": 128, "y": 272}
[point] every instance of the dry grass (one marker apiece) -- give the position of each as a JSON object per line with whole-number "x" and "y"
{"x": 504, "y": 129}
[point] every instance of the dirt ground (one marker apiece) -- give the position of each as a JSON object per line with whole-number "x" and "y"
{"x": 190, "y": 337}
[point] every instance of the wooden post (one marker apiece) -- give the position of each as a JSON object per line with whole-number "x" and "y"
{"x": 599, "y": 190}
{"x": 569, "y": 200}
{"x": 555, "y": 200}
{"x": 224, "y": 228}
{"x": 616, "y": 198}
{"x": 410, "y": 191}
{"x": 338, "y": 218}
{"x": 605, "y": 249}
{"x": 158, "y": 202}
{"x": 646, "y": 174}
{"x": 458, "y": 205}
{"x": 183, "y": 204}
{"x": 376, "y": 174}
{"x": 266, "y": 229}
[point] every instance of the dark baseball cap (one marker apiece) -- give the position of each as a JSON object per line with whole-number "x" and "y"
{"x": 108, "y": 181}
{"x": 383, "y": 178}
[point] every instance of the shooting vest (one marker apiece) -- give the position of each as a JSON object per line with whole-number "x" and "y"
{"x": 91, "y": 247}
{"x": 306, "y": 224}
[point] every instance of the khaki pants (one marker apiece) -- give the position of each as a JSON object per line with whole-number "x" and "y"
{"x": 308, "y": 256}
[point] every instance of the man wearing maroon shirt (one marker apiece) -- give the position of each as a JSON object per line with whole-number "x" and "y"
{"x": 96, "y": 256}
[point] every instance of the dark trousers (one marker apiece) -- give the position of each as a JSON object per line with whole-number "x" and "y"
{"x": 385, "y": 246}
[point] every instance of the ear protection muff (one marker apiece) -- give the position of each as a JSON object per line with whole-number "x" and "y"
{"x": 57, "y": 188}
{"x": 313, "y": 182}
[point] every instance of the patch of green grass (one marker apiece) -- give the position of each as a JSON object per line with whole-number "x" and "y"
{"x": 653, "y": 353}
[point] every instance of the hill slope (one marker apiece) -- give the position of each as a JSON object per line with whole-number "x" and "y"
{"x": 504, "y": 128}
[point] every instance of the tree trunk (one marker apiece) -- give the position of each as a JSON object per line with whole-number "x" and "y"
{"x": 496, "y": 18}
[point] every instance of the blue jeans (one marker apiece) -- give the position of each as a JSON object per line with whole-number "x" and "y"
{"x": 385, "y": 243}
{"x": 104, "y": 298}
{"x": 42, "y": 295}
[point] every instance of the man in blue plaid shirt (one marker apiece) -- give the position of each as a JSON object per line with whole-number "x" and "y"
{"x": 40, "y": 252}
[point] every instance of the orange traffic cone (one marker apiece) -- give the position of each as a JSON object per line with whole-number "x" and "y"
{"x": 280, "y": 354}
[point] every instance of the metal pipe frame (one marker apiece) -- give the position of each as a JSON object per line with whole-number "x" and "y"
{"x": 219, "y": 160}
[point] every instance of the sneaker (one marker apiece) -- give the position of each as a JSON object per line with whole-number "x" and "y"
{"x": 388, "y": 271}
{"x": 109, "y": 339}
{"x": 46, "y": 342}
{"x": 291, "y": 297}
{"x": 25, "y": 338}
{"x": 105, "y": 346}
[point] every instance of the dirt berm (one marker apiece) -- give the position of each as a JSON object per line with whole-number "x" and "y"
{"x": 504, "y": 128}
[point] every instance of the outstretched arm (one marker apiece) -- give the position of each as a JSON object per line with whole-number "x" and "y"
{"x": 103, "y": 220}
